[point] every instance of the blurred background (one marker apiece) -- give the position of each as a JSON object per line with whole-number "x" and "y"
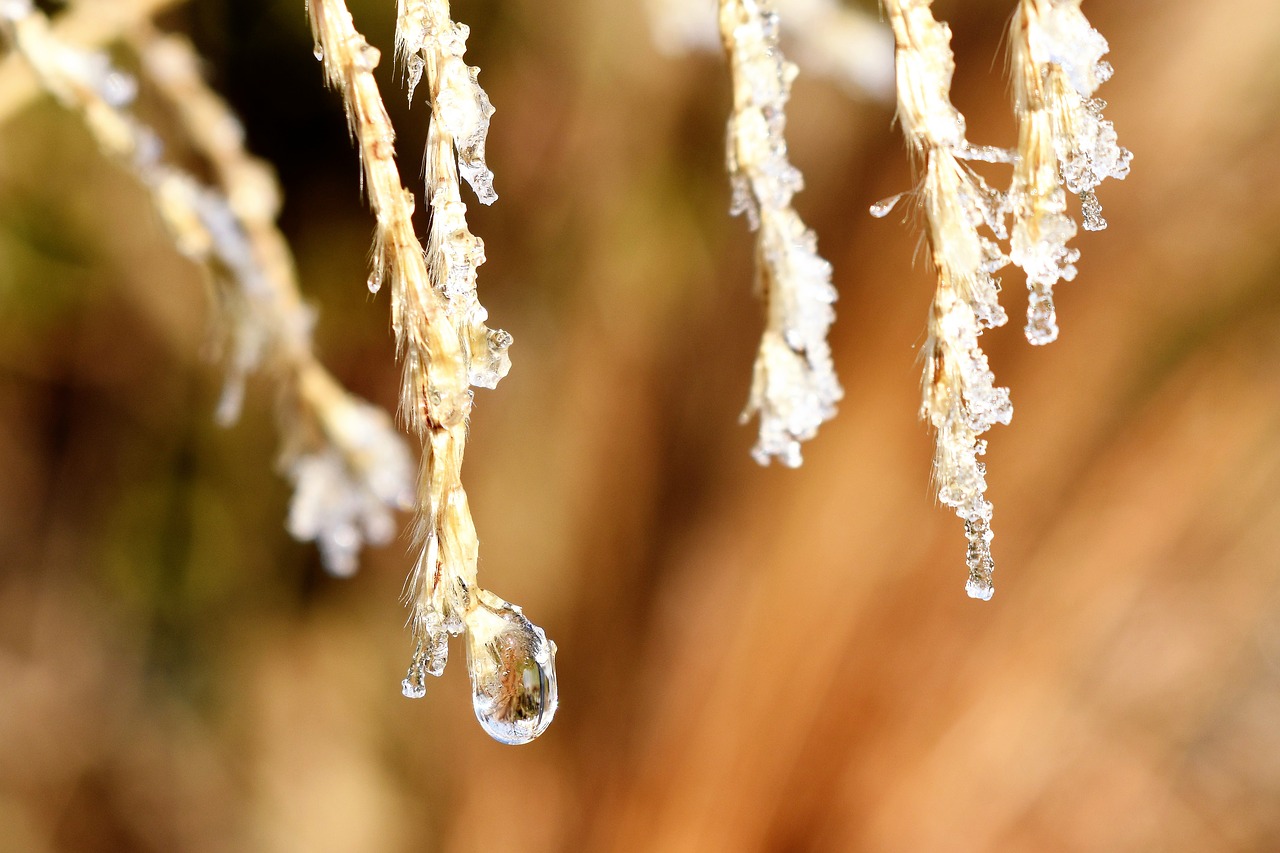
{"x": 750, "y": 659}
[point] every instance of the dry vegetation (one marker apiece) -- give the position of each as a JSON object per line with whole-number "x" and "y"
{"x": 751, "y": 659}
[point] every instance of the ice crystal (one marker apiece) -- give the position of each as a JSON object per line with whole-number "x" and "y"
{"x": 1064, "y": 145}
{"x": 794, "y": 387}
{"x": 432, "y": 652}
{"x": 455, "y": 256}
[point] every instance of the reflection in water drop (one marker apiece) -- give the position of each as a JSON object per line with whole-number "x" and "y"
{"x": 513, "y": 675}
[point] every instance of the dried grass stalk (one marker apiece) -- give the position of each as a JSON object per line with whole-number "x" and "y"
{"x": 445, "y": 347}
{"x": 349, "y": 467}
{"x": 1064, "y": 145}
{"x": 794, "y": 389}
{"x": 961, "y": 400}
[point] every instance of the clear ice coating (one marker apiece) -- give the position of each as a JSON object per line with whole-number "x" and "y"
{"x": 455, "y": 255}
{"x": 460, "y": 104}
{"x": 431, "y": 655}
{"x": 490, "y": 360}
{"x": 414, "y": 685}
{"x": 977, "y": 530}
{"x": 1042, "y": 317}
{"x": 464, "y": 109}
{"x": 513, "y": 673}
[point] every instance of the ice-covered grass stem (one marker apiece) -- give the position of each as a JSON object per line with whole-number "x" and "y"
{"x": 328, "y": 505}
{"x": 445, "y": 348}
{"x": 1064, "y": 144}
{"x": 350, "y": 468}
{"x": 961, "y": 400}
{"x": 794, "y": 388}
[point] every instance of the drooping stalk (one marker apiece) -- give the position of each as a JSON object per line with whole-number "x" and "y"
{"x": 961, "y": 400}
{"x": 349, "y": 467}
{"x": 445, "y": 348}
{"x": 794, "y": 389}
{"x": 1064, "y": 145}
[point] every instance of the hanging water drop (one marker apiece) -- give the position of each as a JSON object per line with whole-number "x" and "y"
{"x": 513, "y": 675}
{"x": 881, "y": 208}
{"x": 318, "y": 52}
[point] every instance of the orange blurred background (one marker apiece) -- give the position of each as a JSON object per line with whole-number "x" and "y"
{"x": 750, "y": 659}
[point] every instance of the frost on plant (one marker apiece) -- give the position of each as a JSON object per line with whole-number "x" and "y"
{"x": 445, "y": 349}
{"x": 428, "y": 40}
{"x": 794, "y": 388}
{"x": 961, "y": 400}
{"x": 349, "y": 468}
{"x": 1065, "y": 146}
{"x": 345, "y": 488}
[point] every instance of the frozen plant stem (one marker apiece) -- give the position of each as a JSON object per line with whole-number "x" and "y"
{"x": 329, "y": 504}
{"x": 445, "y": 348}
{"x": 1063, "y": 144}
{"x": 349, "y": 467}
{"x": 961, "y": 400}
{"x": 794, "y": 389}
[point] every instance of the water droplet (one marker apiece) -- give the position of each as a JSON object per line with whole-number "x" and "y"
{"x": 375, "y": 281}
{"x": 318, "y": 52}
{"x": 881, "y": 208}
{"x": 513, "y": 675}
